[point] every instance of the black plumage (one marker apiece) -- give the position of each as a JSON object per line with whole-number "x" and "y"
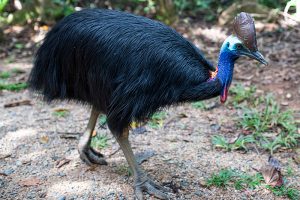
{"x": 124, "y": 65}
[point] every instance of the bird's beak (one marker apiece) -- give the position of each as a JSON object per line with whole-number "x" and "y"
{"x": 255, "y": 55}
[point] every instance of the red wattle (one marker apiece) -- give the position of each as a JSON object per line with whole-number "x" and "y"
{"x": 223, "y": 96}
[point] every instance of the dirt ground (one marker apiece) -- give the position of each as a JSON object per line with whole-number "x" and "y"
{"x": 33, "y": 140}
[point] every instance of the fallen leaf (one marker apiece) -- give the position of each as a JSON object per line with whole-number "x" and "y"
{"x": 61, "y": 110}
{"x": 30, "y": 182}
{"x": 272, "y": 173}
{"x": 44, "y": 139}
{"x": 94, "y": 133}
{"x": 62, "y": 162}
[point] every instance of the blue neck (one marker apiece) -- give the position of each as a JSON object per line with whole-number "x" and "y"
{"x": 225, "y": 67}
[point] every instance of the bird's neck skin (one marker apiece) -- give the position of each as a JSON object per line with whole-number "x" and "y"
{"x": 225, "y": 69}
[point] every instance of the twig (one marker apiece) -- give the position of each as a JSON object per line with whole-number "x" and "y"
{"x": 113, "y": 153}
{"x": 18, "y": 103}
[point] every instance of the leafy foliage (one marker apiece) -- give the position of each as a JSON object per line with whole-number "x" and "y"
{"x": 13, "y": 86}
{"x": 157, "y": 119}
{"x": 239, "y": 180}
{"x": 239, "y": 143}
{"x": 241, "y": 94}
{"x": 99, "y": 141}
{"x": 271, "y": 118}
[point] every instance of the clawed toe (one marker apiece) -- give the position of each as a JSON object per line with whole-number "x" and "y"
{"x": 90, "y": 156}
{"x": 152, "y": 188}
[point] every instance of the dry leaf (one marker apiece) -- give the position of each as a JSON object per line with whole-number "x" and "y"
{"x": 94, "y": 133}
{"x": 62, "y": 162}
{"x": 61, "y": 110}
{"x": 272, "y": 173}
{"x": 44, "y": 139}
{"x": 30, "y": 182}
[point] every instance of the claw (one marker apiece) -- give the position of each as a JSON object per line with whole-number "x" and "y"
{"x": 90, "y": 156}
{"x": 150, "y": 187}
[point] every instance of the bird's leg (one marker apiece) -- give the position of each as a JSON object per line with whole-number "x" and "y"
{"x": 142, "y": 181}
{"x": 88, "y": 154}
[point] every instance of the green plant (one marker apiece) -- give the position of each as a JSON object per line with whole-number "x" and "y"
{"x": 221, "y": 179}
{"x": 124, "y": 169}
{"x": 3, "y": 3}
{"x": 286, "y": 191}
{"x": 99, "y": 142}
{"x": 5, "y": 74}
{"x": 239, "y": 143}
{"x": 157, "y": 119}
{"x": 61, "y": 113}
{"x": 241, "y": 93}
{"x": 102, "y": 120}
{"x": 13, "y": 86}
{"x": 199, "y": 105}
{"x": 270, "y": 118}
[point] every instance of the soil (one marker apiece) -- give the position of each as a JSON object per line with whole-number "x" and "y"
{"x": 33, "y": 140}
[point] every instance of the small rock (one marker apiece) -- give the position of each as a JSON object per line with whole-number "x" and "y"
{"x": 198, "y": 193}
{"x": 285, "y": 103}
{"x": 61, "y": 174}
{"x": 215, "y": 127}
{"x": 62, "y": 198}
{"x": 7, "y": 172}
{"x": 19, "y": 163}
{"x": 288, "y": 95}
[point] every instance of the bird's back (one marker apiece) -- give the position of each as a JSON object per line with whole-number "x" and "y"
{"x": 124, "y": 65}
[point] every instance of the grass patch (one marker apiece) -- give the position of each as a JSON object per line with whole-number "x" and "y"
{"x": 242, "y": 181}
{"x": 99, "y": 141}
{"x": 102, "y": 120}
{"x": 61, "y": 113}
{"x": 241, "y": 93}
{"x": 270, "y": 119}
{"x": 5, "y": 74}
{"x": 199, "y": 105}
{"x": 234, "y": 178}
{"x": 239, "y": 144}
{"x": 124, "y": 170}
{"x": 157, "y": 119}
{"x": 13, "y": 86}
{"x": 285, "y": 191}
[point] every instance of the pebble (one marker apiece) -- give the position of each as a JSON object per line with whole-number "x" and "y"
{"x": 7, "y": 172}
{"x": 61, "y": 174}
{"x": 62, "y": 198}
{"x": 288, "y": 95}
{"x": 19, "y": 163}
{"x": 215, "y": 127}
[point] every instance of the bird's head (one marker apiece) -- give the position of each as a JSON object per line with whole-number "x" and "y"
{"x": 241, "y": 43}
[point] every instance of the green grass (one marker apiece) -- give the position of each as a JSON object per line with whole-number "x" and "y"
{"x": 5, "y": 74}
{"x": 102, "y": 120}
{"x": 234, "y": 178}
{"x": 13, "y": 86}
{"x": 270, "y": 119}
{"x": 240, "y": 93}
{"x": 230, "y": 178}
{"x": 124, "y": 170}
{"x": 99, "y": 141}
{"x": 61, "y": 113}
{"x": 285, "y": 191}
{"x": 239, "y": 144}
{"x": 199, "y": 105}
{"x": 157, "y": 119}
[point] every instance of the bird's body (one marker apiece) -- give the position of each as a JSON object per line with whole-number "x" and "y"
{"x": 128, "y": 67}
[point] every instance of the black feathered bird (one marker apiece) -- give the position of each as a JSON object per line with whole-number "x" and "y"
{"x": 127, "y": 67}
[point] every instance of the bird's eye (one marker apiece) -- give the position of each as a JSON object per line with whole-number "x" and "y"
{"x": 238, "y": 46}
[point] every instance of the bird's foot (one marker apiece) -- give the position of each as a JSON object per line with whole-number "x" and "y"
{"x": 144, "y": 183}
{"x": 90, "y": 156}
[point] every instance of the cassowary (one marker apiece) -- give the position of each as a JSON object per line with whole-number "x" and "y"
{"x": 128, "y": 67}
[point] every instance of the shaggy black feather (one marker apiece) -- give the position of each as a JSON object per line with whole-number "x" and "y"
{"x": 126, "y": 66}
